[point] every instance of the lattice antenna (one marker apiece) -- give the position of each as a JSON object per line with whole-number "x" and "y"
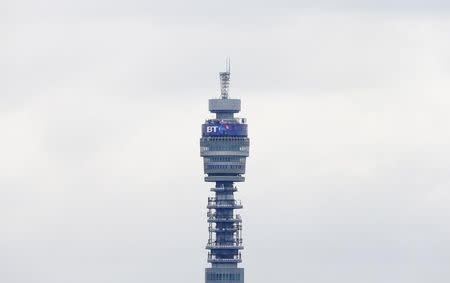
{"x": 225, "y": 80}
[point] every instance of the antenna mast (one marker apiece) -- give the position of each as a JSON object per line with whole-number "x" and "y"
{"x": 225, "y": 80}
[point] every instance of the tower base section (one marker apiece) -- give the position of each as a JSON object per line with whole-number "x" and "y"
{"x": 224, "y": 275}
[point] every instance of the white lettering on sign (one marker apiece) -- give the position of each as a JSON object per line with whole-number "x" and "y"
{"x": 211, "y": 129}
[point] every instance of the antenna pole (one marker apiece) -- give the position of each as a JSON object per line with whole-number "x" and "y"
{"x": 225, "y": 80}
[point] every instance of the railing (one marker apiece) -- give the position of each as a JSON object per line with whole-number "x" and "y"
{"x": 235, "y": 242}
{"x": 223, "y": 247}
{"x": 212, "y": 218}
{"x": 215, "y": 199}
{"x": 233, "y": 229}
{"x": 236, "y": 259}
{"x": 235, "y": 120}
{"x": 224, "y": 189}
{"x": 214, "y": 203}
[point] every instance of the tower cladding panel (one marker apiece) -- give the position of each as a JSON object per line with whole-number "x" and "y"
{"x": 224, "y": 146}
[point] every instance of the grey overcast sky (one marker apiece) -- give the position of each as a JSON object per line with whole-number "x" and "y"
{"x": 348, "y": 108}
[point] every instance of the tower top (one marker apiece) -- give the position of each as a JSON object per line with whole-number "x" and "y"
{"x": 225, "y": 80}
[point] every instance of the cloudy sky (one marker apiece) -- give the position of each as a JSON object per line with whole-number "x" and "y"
{"x": 348, "y": 109}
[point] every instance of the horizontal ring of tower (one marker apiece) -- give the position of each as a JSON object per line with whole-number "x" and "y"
{"x": 231, "y": 178}
{"x": 224, "y": 170}
{"x": 224, "y": 247}
{"x": 215, "y": 205}
{"x": 224, "y": 105}
{"x": 213, "y": 259}
{"x": 233, "y": 229}
{"x": 225, "y": 138}
{"x": 213, "y": 219}
{"x": 207, "y": 152}
{"x": 223, "y": 189}
{"x": 227, "y": 147}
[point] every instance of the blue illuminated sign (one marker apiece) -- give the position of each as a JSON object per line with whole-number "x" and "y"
{"x": 223, "y": 129}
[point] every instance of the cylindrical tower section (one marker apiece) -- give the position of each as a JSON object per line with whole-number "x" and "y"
{"x": 224, "y": 146}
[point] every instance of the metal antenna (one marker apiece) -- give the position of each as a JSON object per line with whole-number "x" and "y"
{"x": 225, "y": 80}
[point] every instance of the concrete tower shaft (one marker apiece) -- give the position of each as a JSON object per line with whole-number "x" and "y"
{"x": 224, "y": 146}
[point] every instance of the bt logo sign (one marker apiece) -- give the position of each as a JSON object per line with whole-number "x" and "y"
{"x": 212, "y": 129}
{"x": 217, "y": 129}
